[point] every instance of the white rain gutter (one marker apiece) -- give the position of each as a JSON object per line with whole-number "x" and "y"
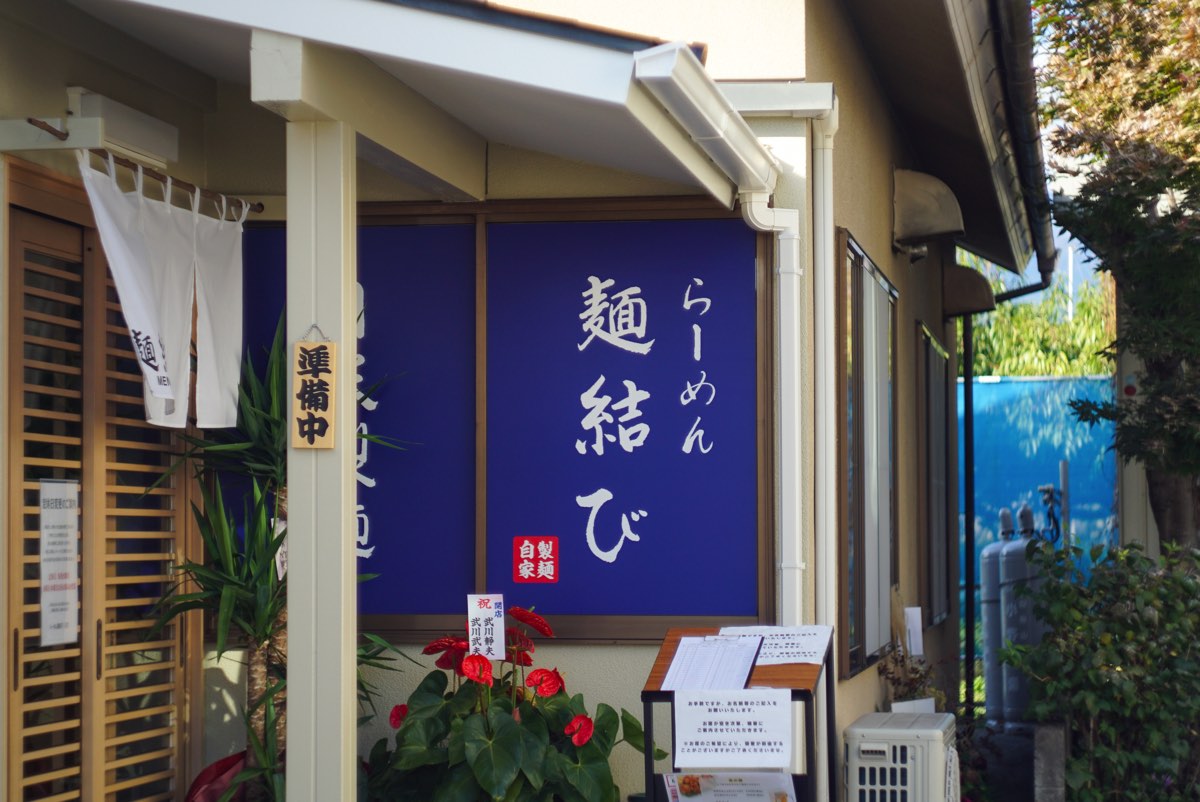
{"x": 825, "y": 260}
{"x": 677, "y": 80}
{"x": 675, "y": 77}
{"x": 818, "y": 103}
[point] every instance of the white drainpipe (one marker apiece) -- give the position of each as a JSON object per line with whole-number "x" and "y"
{"x": 825, "y": 271}
{"x": 785, "y": 223}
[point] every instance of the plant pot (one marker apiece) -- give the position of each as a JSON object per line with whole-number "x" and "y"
{"x": 923, "y": 705}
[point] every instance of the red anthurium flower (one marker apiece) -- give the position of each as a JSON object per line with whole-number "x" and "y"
{"x": 442, "y": 644}
{"x": 520, "y": 648}
{"x": 519, "y": 658}
{"x": 545, "y": 682}
{"x": 451, "y": 659}
{"x": 531, "y": 619}
{"x": 477, "y": 668}
{"x": 580, "y": 729}
{"x": 397, "y": 716}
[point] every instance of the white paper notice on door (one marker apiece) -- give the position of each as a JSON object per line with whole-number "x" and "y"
{"x": 58, "y": 504}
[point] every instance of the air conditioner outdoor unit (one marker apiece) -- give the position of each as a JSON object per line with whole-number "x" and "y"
{"x": 902, "y": 757}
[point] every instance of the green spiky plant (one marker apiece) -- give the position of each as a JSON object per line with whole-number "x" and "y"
{"x": 238, "y": 582}
{"x": 255, "y": 449}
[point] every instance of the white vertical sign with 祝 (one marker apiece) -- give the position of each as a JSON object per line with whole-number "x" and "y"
{"x": 58, "y": 504}
{"x": 485, "y": 625}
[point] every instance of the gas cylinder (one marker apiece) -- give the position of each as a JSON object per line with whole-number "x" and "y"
{"x": 1018, "y": 625}
{"x": 989, "y": 604}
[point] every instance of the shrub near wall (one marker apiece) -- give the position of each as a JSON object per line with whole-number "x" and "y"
{"x": 1120, "y": 666}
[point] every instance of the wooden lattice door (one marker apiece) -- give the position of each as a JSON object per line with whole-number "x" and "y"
{"x": 103, "y": 718}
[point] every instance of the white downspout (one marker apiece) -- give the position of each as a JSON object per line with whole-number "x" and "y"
{"x": 789, "y": 571}
{"x": 785, "y": 223}
{"x": 824, "y": 274}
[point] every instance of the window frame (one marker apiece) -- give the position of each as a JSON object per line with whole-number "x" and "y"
{"x": 419, "y": 628}
{"x": 855, "y": 270}
{"x": 933, "y": 456}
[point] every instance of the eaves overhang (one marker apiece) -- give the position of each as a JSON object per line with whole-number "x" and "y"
{"x": 538, "y": 84}
{"x": 959, "y": 82}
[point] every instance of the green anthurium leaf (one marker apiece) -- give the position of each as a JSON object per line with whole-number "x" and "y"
{"x": 429, "y": 693}
{"x": 551, "y": 767}
{"x": 458, "y": 752}
{"x": 606, "y": 727}
{"x": 495, "y": 756}
{"x": 535, "y": 738}
{"x": 519, "y": 791}
{"x": 557, "y": 711}
{"x": 464, "y": 699}
{"x": 418, "y": 743}
{"x": 633, "y": 734}
{"x": 458, "y": 785}
{"x": 588, "y": 773}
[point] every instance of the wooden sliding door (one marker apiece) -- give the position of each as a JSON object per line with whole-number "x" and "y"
{"x": 103, "y": 716}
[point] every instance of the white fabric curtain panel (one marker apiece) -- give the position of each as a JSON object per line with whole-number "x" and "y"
{"x": 163, "y": 259}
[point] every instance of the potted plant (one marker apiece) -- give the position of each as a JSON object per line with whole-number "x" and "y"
{"x": 910, "y": 682}
{"x": 240, "y": 581}
{"x": 475, "y": 730}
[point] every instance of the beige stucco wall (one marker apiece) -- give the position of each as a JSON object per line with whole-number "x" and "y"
{"x": 866, "y": 151}
{"x": 748, "y": 40}
{"x": 36, "y": 68}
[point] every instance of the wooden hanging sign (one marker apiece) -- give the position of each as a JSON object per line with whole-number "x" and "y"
{"x": 314, "y": 392}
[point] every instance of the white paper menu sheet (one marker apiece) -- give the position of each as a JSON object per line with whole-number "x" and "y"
{"x": 724, "y": 787}
{"x": 783, "y": 645}
{"x": 712, "y": 662}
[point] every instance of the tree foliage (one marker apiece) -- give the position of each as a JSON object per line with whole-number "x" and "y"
{"x": 1047, "y": 337}
{"x": 1117, "y": 667}
{"x": 1122, "y": 91}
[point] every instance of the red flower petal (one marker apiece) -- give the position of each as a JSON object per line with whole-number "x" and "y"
{"x": 519, "y": 658}
{"x": 451, "y": 659}
{"x": 531, "y": 619}
{"x": 519, "y": 649}
{"x": 580, "y": 729}
{"x": 477, "y": 668}
{"x": 441, "y": 645}
{"x": 545, "y": 682}
{"x": 397, "y": 716}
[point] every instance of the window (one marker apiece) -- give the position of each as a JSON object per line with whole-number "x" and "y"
{"x": 867, "y": 324}
{"x": 932, "y": 367}
{"x": 593, "y": 459}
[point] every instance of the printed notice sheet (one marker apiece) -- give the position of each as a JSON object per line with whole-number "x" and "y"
{"x": 781, "y": 645}
{"x": 748, "y": 787}
{"x": 711, "y": 662}
{"x": 58, "y": 503}
{"x": 734, "y": 729}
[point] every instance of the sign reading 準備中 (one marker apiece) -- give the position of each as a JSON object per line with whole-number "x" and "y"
{"x": 313, "y": 394}
{"x": 58, "y": 503}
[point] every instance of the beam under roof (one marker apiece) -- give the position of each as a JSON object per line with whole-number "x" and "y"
{"x": 406, "y": 135}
